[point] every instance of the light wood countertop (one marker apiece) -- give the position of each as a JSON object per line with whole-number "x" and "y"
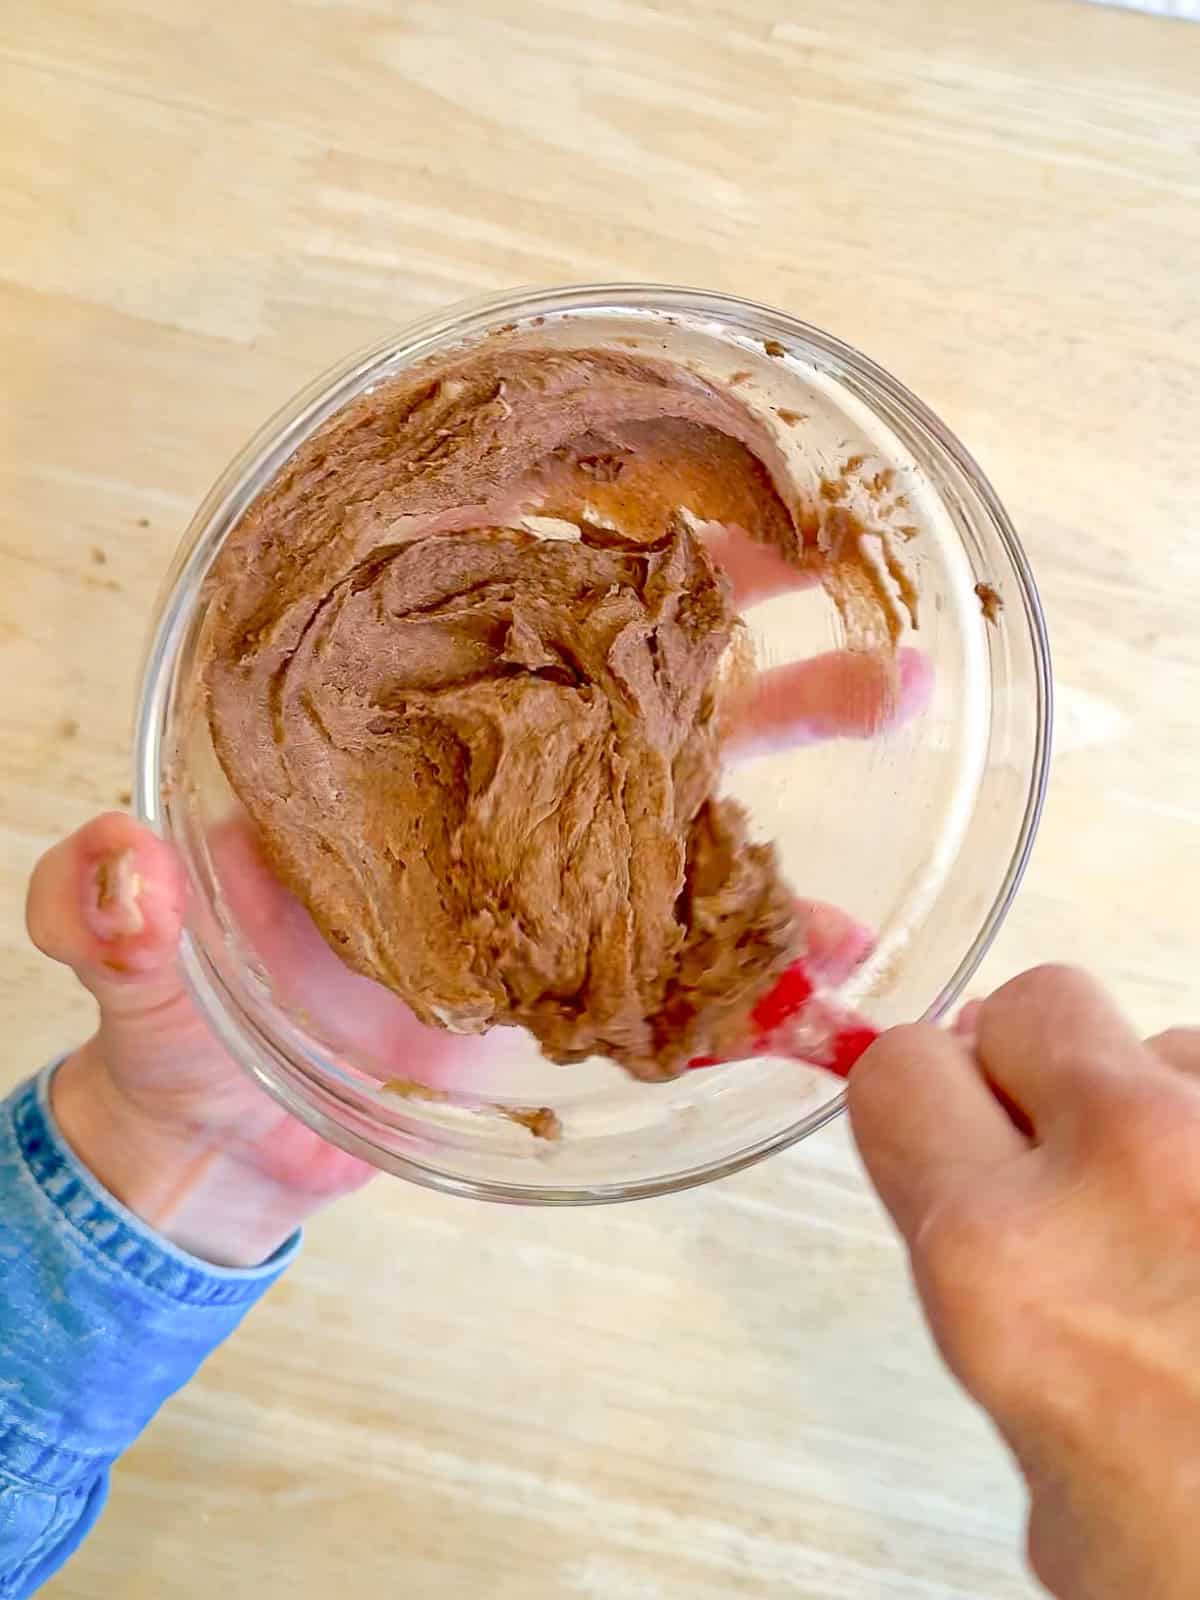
{"x": 201, "y": 206}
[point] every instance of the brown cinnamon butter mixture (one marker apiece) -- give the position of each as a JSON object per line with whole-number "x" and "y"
{"x": 462, "y": 659}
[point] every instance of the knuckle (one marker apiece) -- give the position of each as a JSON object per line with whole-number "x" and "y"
{"x": 1148, "y": 1137}
{"x": 956, "y": 1249}
{"x": 961, "y": 1259}
{"x": 1050, "y": 983}
{"x": 953, "y": 1241}
{"x": 1179, "y": 1047}
{"x": 1058, "y": 975}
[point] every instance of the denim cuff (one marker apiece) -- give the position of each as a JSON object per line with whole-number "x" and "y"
{"x": 100, "y": 1318}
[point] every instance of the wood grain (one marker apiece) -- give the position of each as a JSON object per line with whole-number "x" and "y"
{"x": 726, "y": 1393}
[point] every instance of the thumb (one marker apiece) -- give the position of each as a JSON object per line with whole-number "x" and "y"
{"x": 108, "y": 902}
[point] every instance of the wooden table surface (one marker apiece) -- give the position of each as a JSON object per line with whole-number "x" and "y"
{"x": 728, "y": 1392}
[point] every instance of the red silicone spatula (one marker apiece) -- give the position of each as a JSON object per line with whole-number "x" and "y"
{"x": 795, "y": 1021}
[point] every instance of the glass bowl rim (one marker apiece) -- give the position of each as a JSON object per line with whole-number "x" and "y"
{"x": 243, "y": 478}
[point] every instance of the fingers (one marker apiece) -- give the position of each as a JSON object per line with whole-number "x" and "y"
{"x": 351, "y": 1012}
{"x": 841, "y": 694}
{"x": 1048, "y": 1038}
{"x": 108, "y": 902}
{"x": 835, "y": 944}
{"x": 850, "y": 694}
{"x": 925, "y": 1121}
{"x": 1179, "y": 1048}
{"x": 931, "y": 1109}
{"x": 757, "y": 571}
{"x": 966, "y": 1023}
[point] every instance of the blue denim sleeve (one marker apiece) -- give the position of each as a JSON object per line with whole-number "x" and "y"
{"x": 100, "y": 1320}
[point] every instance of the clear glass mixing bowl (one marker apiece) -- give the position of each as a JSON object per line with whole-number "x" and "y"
{"x": 922, "y": 833}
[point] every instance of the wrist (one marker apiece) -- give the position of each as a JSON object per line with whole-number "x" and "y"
{"x": 183, "y": 1183}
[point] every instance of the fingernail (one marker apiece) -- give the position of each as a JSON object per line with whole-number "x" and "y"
{"x": 966, "y": 1023}
{"x": 111, "y": 906}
